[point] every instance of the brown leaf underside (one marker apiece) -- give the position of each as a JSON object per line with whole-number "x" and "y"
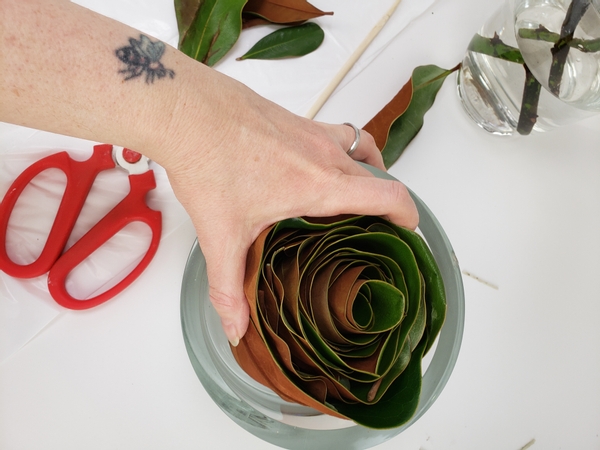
{"x": 379, "y": 126}
{"x": 186, "y": 11}
{"x": 276, "y": 373}
{"x": 253, "y": 356}
{"x": 284, "y": 11}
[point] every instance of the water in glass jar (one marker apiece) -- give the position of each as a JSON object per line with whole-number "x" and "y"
{"x": 491, "y": 84}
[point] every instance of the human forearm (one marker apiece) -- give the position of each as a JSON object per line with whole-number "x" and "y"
{"x": 61, "y": 73}
{"x": 236, "y": 161}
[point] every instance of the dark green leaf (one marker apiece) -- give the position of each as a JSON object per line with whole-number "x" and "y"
{"x": 214, "y": 29}
{"x": 387, "y": 303}
{"x": 397, "y": 405}
{"x": 287, "y": 42}
{"x": 426, "y": 82}
{"x": 435, "y": 293}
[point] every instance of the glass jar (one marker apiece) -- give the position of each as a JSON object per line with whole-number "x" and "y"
{"x": 533, "y": 66}
{"x": 264, "y": 414}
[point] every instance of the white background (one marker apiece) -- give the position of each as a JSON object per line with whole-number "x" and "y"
{"x": 523, "y": 214}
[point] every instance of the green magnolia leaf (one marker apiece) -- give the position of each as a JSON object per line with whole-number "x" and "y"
{"x": 399, "y": 402}
{"x": 287, "y": 42}
{"x": 185, "y": 11}
{"x": 212, "y": 32}
{"x": 342, "y": 311}
{"x": 435, "y": 294}
{"x": 426, "y": 82}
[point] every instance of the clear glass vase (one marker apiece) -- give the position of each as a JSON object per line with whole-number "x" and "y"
{"x": 533, "y": 66}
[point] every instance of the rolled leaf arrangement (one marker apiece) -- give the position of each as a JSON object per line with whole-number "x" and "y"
{"x": 342, "y": 311}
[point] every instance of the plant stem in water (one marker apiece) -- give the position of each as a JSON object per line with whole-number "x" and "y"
{"x": 495, "y": 47}
{"x": 543, "y": 34}
{"x": 531, "y": 90}
{"x": 529, "y": 105}
{"x": 561, "y": 48}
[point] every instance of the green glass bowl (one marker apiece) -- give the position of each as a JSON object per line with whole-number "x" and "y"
{"x": 264, "y": 414}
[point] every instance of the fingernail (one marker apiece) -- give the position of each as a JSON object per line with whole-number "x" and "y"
{"x": 231, "y": 333}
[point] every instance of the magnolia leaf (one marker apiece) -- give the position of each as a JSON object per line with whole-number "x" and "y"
{"x": 435, "y": 295}
{"x": 398, "y": 123}
{"x": 212, "y": 32}
{"x": 283, "y": 11}
{"x": 249, "y": 21}
{"x": 342, "y": 311}
{"x": 379, "y": 126}
{"x": 400, "y": 401}
{"x": 185, "y": 11}
{"x": 287, "y": 42}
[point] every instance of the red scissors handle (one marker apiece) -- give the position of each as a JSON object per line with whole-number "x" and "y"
{"x": 80, "y": 178}
{"x": 131, "y": 209}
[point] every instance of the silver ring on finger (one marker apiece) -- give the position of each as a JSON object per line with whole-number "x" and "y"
{"x": 354, "y": 145}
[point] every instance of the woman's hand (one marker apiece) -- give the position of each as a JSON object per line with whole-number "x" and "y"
{"x": 259, "y": 164}
{"x": 237, "y": 162}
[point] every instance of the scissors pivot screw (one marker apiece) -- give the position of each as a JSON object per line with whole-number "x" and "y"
{"x": 131, "y": 156}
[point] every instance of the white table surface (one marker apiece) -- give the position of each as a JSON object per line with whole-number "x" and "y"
{"x": 523, "y": 214}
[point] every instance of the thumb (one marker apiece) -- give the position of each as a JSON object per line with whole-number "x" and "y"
{"x": 369, "y": 195}
{"x": 225, "y": 266}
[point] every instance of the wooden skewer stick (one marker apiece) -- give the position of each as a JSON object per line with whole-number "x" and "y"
{"x": 350, "y": 62}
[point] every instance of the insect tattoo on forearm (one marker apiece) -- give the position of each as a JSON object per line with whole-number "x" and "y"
{"x": 143, "y": 57}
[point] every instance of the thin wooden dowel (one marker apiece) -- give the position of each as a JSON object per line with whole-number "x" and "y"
{"x": 333, "y": 84}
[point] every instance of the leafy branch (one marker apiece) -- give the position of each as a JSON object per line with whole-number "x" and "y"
{"x": 495, "y": 47}
{"x": 531, "y": 90}
{"x": 543, "y": 34}
{"x": 562, "y": 43}
{"x": 561, "y": 48}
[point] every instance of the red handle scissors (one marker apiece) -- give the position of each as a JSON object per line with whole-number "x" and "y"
{"x": 80, "y": 178}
